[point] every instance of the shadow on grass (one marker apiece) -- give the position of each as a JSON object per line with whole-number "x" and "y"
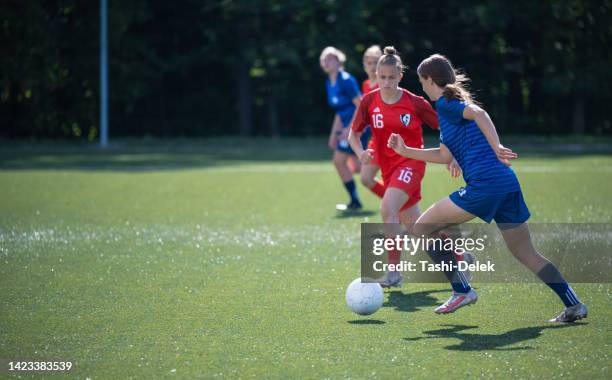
{"x": 486, "y": 342}
{"x": 367, "y": 322}
{"x": 411, "y": 302}
{"x": 137, "y": 156}
{"x": 354, "y": 214}
{"x": 172, "y": 154}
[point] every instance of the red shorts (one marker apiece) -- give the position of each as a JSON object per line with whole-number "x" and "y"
{"x": 408, "y": 180}
{"x": 374, "y": 160}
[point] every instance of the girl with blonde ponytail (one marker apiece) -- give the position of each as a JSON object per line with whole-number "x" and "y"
{"x": 343, "y": 96}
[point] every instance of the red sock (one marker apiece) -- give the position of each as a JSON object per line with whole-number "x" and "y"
{"x": 378, "y": 189}
{"x": 394, "y": 257}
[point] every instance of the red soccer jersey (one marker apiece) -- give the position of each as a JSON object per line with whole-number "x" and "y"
{"x": 405, "y": 117}
{"x": 365, "y": 87}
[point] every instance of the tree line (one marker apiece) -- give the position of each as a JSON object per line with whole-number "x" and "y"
{"x": 251, "y": 68}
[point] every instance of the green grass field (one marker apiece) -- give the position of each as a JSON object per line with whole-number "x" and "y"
{"x": 226, "y": 259}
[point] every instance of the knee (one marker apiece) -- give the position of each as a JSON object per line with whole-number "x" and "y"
{"x": 420, "y": 229}
{"x": 408, "y": 222}
{"x": 409, "y": 226}
{"x": 340, "y": 158}
{"x": 388, "y": 213}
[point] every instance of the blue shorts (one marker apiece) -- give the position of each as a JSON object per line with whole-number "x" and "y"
{"x": 508, "y": 210}
{"x": 343, "y": 145}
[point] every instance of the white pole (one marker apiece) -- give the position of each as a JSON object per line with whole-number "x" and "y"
{"x": 103, "y": 75}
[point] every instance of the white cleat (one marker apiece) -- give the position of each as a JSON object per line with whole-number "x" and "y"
{"x": 391, "y": 280}
{"x": 456, "y": 301}
{"x": 571, "y": 314}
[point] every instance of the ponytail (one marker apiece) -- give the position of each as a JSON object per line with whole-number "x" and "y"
{"x": 458, "y": 90}
{"x": 441, "y": 71}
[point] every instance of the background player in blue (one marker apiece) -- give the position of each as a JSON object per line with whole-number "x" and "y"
{"x": 343, "y": 96}
{"x": 492, "y": 189}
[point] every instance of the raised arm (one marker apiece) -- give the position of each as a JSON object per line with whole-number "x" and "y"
{"x": 484, "y": 122}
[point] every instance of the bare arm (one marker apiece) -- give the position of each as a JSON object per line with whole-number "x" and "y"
{"x": 358, "y": 124}
{"x": 345, "y": 133}
{"x": 354, "y": 139}
{"x": 336, "y": 125}
{"x": 484, "y": 122}
{"x": 336, "y": 128}
{"x": 439, "y": 155}
{"x": 355, "y": 143}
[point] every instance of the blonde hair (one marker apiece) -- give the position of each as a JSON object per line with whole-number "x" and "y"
{"x": 441, "y": 71}
{"x": 335, "y": 52}
{"x": 392, "y": 58}
{"x": 373, "y": 51}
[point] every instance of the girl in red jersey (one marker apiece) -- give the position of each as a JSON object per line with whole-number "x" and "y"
{"x": 369, "y": 170}
{"x": 392, "y": 109}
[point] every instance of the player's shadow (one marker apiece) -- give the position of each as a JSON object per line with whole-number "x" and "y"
{"x": 487, "y": 342}
{"x": 411, "y": 302}
{"x": 367, "y": 322}
{"x": 354, "y": 214}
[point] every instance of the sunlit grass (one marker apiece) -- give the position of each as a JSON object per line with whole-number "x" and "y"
{"x": 230, "y": 261}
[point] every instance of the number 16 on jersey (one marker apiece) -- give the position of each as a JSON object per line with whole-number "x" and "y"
{"x": 405, "y": 175}
{"x": 377, "y": 120}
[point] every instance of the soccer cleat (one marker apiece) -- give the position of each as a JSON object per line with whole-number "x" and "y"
{"x": 353, "y": 206}
{"x": 456, "y": 301}
{"x": 391, "y": 280}
{"x": 572, "y": 314}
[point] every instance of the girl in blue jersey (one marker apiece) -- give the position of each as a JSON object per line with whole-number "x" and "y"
{"x": 343, "y": 96}
{"x": 492, "y": 190}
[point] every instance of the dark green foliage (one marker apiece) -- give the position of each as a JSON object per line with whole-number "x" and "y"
{"x": 194, "y": 68}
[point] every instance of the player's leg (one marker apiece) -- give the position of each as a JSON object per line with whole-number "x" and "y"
{"x": 439, "y": 216}
{"x": 391, "y": 203}
{"x": 390, "y": 207}
{"x": 369, "y": 180}
{"x": 368, "y": 171}
{"x": 518, "y": 240}
{"x": 354, "y": 164}
{"x": 340, "y": 159}
{"x": 409, "y": 216}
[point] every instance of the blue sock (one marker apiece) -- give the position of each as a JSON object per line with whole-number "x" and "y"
{"x": 457, "y": 279}
{"x": 553, "y": 278}
{"x": 352, "y": 190}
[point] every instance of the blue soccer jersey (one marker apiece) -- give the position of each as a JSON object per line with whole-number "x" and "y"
{"x": 481, "y": 167}
{"x": 340, "y": 96}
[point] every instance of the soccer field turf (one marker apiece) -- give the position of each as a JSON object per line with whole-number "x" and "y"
{"x": 228, "y": 260}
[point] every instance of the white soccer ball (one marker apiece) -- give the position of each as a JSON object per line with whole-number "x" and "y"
{"x": 364, "y": 298}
